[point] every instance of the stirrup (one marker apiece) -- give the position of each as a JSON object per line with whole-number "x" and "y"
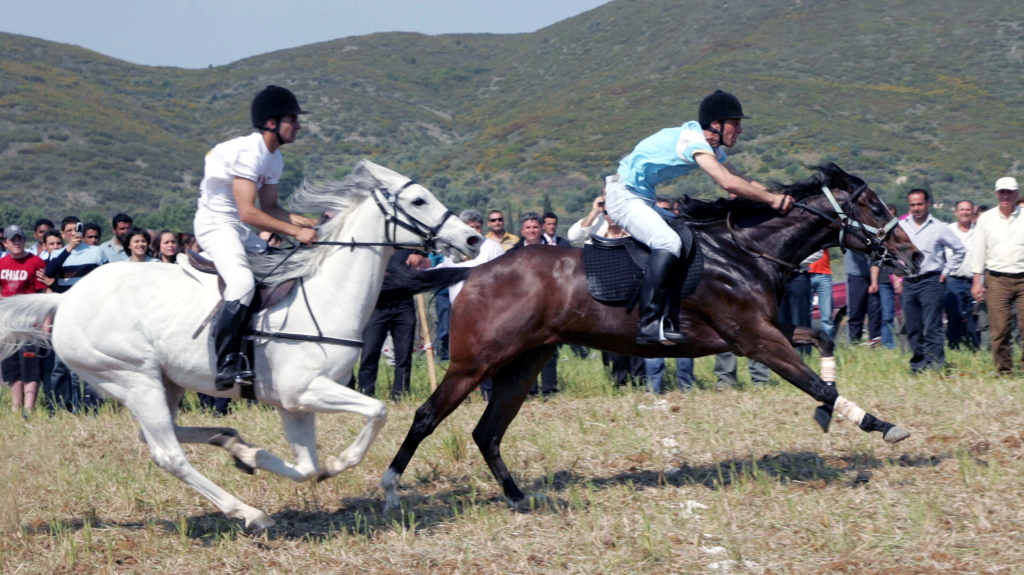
{"x": 662, "y": 337}
{"x": 241, "y": 376}
{"x": 246, "y": 375}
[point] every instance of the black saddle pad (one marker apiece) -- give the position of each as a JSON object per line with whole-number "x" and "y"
{"x": 614, "y": 271}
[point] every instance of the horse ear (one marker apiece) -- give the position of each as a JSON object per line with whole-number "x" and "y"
{"x": 366, "y": 170}
{"x": 361, "y": 167}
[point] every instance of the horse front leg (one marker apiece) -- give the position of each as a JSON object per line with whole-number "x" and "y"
{"x": 456, "y": 386}
{"x": 324, "y": 395}
{"x": 800, "y": 335}
{"x": 766, "y": 344}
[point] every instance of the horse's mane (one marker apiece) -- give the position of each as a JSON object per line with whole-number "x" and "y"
{"x": 706, "y": 211}
{"x": 338, "y": 197}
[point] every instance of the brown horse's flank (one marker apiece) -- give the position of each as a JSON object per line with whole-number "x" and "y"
{"x": 513, "y": 310}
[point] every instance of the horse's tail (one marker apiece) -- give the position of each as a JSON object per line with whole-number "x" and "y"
{"x": 22, "y": 320}
{"x": 403, "y": 281}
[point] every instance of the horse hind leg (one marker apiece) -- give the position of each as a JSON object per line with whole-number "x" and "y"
{"x": 511, "y": 385}
{"x": 148, "y": 403}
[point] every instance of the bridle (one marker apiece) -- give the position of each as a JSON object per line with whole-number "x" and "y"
{"x": 872, "y": 236}
{"x": 392, "y": 221}
{"x": 396, "y": 218}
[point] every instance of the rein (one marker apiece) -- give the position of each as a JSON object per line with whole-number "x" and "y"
{"x": 870, "y": 235}
{"x": 427, "y": 233}
{"x": 749, "y": 252}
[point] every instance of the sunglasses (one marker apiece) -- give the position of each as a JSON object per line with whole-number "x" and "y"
{"x": 496, "y": 219}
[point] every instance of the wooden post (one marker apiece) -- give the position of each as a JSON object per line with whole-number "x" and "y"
{"x": 428, "y": 344}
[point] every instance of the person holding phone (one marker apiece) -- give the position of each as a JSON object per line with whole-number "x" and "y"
{"x": 76, "y": 259}
{"x": 68, "y": 265}
{"x": 595, "y": 222}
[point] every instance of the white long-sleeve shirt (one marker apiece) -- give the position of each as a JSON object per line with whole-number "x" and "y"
{"x": 998, "y": 243}
{"x": 489, "y": 250}
{"x": 577, "y": 233}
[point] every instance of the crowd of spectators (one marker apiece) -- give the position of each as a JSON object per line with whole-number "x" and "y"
{"x": 59, "y": 257}
{"x": 968, "y": 292}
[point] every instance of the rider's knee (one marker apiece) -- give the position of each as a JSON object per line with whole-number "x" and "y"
{"x": 669, "y": 243}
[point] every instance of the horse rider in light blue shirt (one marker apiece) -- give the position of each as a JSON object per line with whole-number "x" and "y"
{"x": 666, "y": 155}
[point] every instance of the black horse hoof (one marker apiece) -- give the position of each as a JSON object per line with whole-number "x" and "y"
{"x": 244, "y": 467}
{"x": 823, "y": 417}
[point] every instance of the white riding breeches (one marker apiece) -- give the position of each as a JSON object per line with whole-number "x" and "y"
{"x": 640, "y": 217}
{"x": 227, "y": 242}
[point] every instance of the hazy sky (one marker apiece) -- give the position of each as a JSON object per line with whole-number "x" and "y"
{"x": 194, "y": 34}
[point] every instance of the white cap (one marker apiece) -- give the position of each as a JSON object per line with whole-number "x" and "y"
{"x": 1007, "y": 183}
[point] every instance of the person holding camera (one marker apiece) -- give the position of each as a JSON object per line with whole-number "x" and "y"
{"x": 76, "y": 259}
{"x": 595, "y": 222}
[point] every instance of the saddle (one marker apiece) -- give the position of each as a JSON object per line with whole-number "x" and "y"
{"x": 615, "y": 267}
{"x": 266, "y": 296}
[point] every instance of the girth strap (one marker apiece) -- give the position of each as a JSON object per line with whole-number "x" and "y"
{"x": 300, "y": 337}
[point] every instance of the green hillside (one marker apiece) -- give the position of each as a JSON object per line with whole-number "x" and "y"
{"x": 901, "y": 93}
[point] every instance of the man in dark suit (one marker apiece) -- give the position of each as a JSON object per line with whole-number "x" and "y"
{"x": 534, "y": 232}
{"x": 550, "y": 236}
{"x": 395, "y": 315}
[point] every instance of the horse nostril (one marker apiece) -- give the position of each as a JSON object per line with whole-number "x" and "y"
{"x": 473, "y": 240}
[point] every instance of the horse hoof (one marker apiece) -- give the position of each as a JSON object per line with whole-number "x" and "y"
{"x": 895, "y": 434}
{"x": 244, "y": 467}
{"x": 392, "y": 504}
{"x": 823, "y": 417}
{"x": 323, "y": 475}
{"x": 259, "y": 523}
{"x": 532, "y": 502}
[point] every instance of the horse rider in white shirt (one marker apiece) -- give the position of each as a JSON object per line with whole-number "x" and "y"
{"x": 237, "y": 174}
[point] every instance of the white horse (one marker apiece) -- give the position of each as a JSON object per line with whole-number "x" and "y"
{"x": 138, "y": 332}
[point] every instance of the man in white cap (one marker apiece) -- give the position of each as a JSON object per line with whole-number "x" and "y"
{"x": 997, "y": 263}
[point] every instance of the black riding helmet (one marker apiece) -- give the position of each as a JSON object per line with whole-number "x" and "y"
{"x": 718, "y": 107}
{"x": 273, "y": 103}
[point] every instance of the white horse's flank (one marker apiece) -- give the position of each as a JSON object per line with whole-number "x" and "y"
{"x": 128, "y": 329}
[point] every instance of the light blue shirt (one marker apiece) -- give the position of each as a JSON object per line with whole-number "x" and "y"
{"x": 114, "y": 251}
{"x": 932, "y": 239}
{"x": 665, "y": 156}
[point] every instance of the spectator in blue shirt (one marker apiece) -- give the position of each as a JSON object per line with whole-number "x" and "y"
{"x": 68, "y": 266}
{"x": 113, "y": 249}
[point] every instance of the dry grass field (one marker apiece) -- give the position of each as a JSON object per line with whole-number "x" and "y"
{"x": 740, "y": 481}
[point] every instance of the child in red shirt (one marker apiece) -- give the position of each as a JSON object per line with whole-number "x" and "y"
{"x": 23, "y": 370}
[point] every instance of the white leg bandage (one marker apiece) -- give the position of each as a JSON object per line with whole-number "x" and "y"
{"x": 849, "y": 410}
{"x": 828, "y": 369}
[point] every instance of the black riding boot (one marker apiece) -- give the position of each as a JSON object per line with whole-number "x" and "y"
{"x": 228, "y": 344}
{"x": 653, "y": 291}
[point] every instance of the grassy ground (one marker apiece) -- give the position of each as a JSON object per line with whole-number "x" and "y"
{"x": 739, "y": 481}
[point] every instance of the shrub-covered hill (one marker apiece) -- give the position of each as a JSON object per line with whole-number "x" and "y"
{"x": 901, "y": 93}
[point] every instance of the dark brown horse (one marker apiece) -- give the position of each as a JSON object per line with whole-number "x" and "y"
{"x": 514, "y": 310}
